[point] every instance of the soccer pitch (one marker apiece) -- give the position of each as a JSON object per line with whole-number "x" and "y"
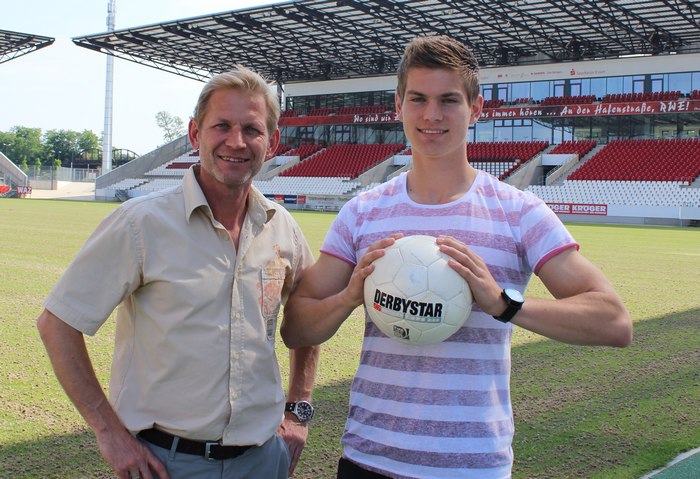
{"x": 588, "y": 412}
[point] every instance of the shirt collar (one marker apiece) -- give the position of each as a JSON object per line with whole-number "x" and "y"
{"x": 260, "y": 210}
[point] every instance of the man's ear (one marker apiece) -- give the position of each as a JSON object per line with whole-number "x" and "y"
{"x": 193, "y": 133}
{"x": 274, "y": 143}
{"x": 477, "y": 108}
{"x": 399, "y": 113}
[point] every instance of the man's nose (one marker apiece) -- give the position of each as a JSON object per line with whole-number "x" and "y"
{"x": 234, "y": 139}
{"x": 432, "y": 111}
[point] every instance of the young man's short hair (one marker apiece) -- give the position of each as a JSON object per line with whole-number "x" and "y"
{"x": 440, "y": 52}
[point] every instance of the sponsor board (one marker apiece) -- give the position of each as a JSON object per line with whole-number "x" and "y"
{"x": 578, "y": 209}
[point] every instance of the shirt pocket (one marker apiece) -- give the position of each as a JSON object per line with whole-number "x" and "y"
{"x": 271, "y": 285}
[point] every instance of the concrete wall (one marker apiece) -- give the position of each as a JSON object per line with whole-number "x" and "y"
{"x": 12, "y": 173}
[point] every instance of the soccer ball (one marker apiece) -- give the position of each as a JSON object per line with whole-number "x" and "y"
{"x": 413, "y": 295}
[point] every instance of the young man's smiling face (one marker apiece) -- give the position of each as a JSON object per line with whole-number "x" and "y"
{"x": 436, "y": 113}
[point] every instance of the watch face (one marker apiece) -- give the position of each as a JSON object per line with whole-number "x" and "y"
{"x": 304, "y": 411}
{"x": 515, "y": 295}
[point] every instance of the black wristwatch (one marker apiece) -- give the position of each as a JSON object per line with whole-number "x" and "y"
{"x": 303, "y": 410}
{"x": 514, "y": 300}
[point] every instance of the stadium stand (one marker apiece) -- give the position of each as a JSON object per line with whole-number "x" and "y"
{"x": 282, "y": 149}
{"x": 291, "y": 113}
{"x": 568, "y": 100}
{"x": 177, "y": 166}
{"x": 496, "y": 103}
{"x": 676, "y": 160}
{"x": 505, "y": 150}
{"x": 499, "y": 169}
{"x": 343, "y": 160}
{"x": 639, "y": 97}
{"x": 321, "y": 112}
{"x": 574, "y": 119}
{"x": 364, "y": 110}
{"x": 329, "y": 173}
{"x": 158, "y": 184}
{"x": 647, "y": 173}
{"x": 304, "y": 151}
{"x": 305, "y": 185}
{"x": 500, "y": 159}
{"x": 580, "y": 147}
{"x": 129, "y": 184}
{"x": 641, "y": 193}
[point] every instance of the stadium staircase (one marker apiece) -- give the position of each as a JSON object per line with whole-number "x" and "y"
{"x": 581, "y": 152}
{"x": 130, "y": 177}
{"x": 11, "y": 173}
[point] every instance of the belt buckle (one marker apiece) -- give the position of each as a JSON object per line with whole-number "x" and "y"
{"x": 207, "y": 449}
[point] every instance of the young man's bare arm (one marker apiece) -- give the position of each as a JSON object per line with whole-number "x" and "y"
{"x": 328, "y": 293}
{"x": 586, "y": 309}
{"x": 320, "y": 304}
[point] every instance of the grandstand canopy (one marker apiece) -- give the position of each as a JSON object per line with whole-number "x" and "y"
{"x": 311, "y": 40}
{"x": 16, "y": 44}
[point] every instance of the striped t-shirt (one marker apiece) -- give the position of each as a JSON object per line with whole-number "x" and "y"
{"x": 443, "y": 410}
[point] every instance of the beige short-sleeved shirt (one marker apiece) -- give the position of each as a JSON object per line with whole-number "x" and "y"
{"x": 196, "y": 321}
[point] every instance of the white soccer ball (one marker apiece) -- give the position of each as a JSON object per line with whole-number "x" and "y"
{"x": 414, "y": 296}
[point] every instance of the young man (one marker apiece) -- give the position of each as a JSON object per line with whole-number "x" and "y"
{"x": 199, "y": 272}
{"x": 443, "y": 410}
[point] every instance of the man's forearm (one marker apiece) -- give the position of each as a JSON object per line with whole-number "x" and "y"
{"x": 302, "y": 372}
{"x": 71, "y": 363}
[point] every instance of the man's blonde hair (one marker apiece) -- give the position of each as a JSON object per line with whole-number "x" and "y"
{"x": 245, "y": 80}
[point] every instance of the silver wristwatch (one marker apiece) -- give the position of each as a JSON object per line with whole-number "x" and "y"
{"x": 303, "y": 410}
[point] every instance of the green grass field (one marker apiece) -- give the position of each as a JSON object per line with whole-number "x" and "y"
{"x": 580, "y": 412}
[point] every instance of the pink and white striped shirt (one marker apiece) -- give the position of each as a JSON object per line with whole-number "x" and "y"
{"x": 443, "y": 410}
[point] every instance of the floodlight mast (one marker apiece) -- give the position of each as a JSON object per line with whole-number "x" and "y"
{"x": 109, "y": 92}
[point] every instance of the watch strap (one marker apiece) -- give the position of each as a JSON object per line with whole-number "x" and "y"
{"x": 511, "y": 309}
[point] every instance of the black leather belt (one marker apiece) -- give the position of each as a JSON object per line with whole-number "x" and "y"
{"x": 209, "y": 450}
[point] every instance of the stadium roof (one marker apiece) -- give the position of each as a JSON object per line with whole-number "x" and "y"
{"x": 311, "y": 40}
{"x": 16, "y": 44}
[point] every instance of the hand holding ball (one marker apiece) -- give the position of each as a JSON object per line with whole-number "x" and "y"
{"x": 414, "y": 296}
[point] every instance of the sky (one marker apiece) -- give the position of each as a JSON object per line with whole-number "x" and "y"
{"x": 62, "y": 86}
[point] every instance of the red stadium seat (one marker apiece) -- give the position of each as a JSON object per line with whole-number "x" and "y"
{"x": 644, "y": 160}
{"x": 344, "y": 160}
